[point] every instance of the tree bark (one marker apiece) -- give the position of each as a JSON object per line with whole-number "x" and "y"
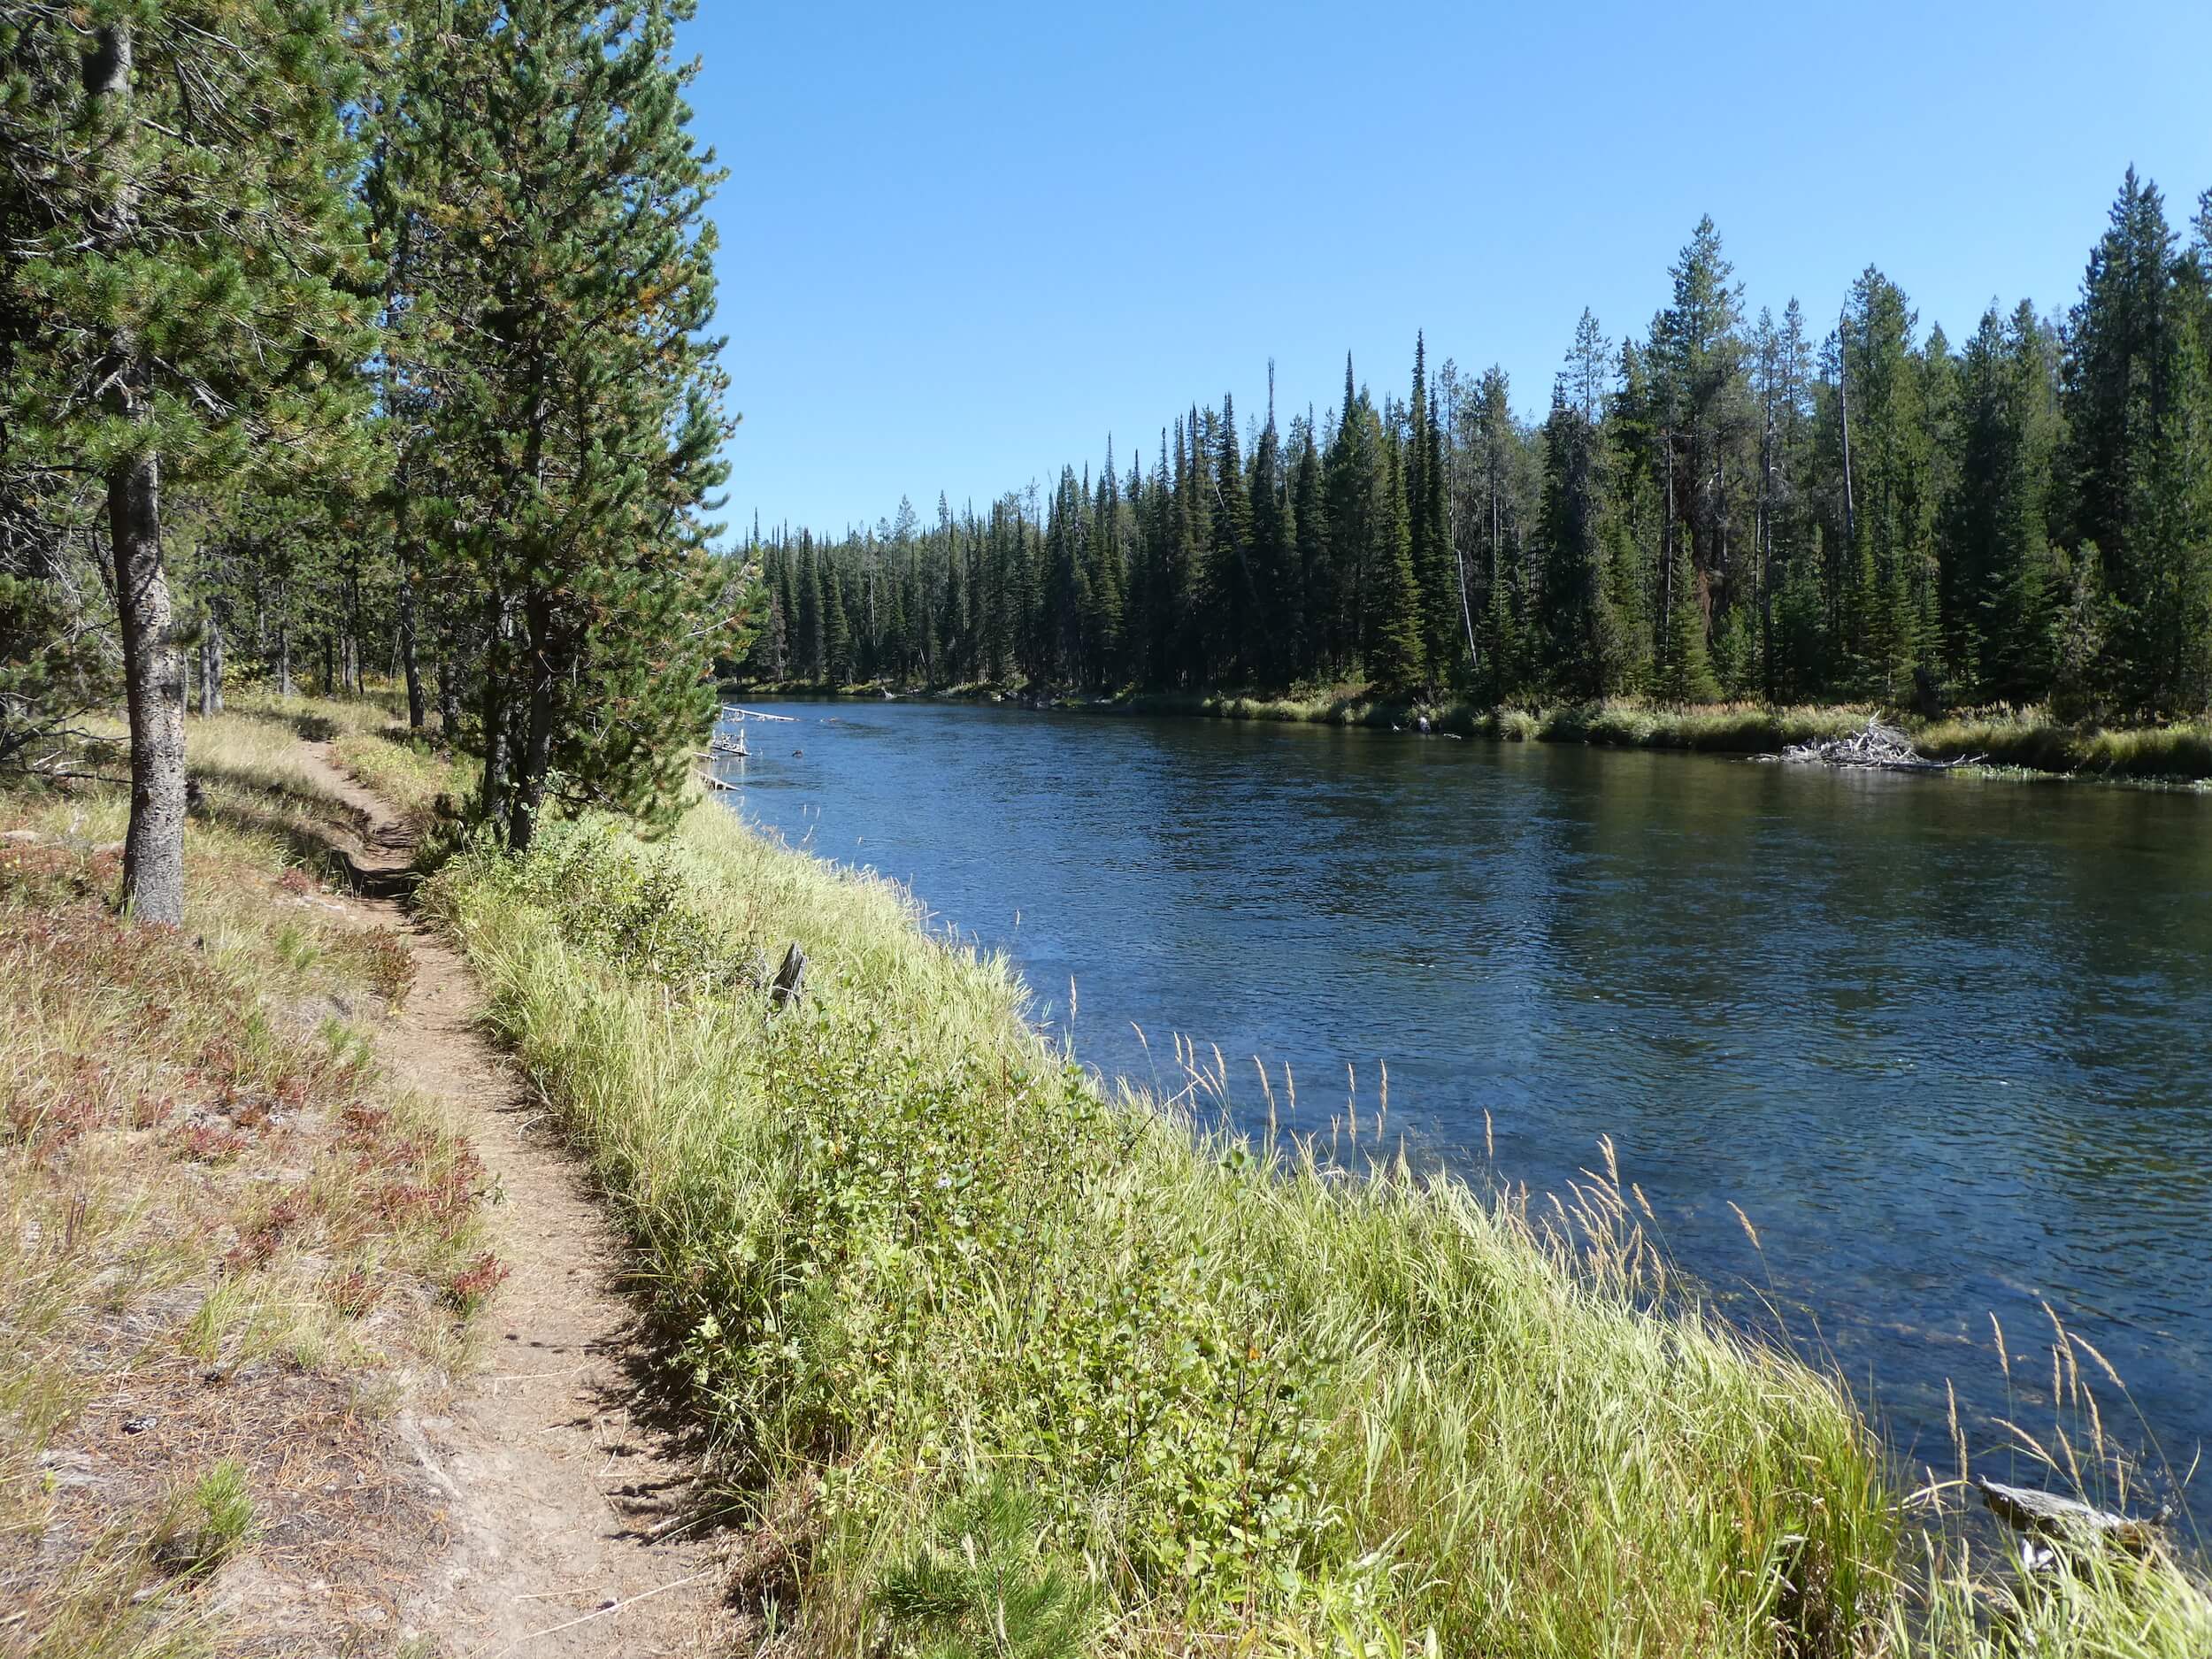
{"x": 495, "y": 711}
{"x": 448, "y": 698}
{"x": 537, "y": 746}
{"x": 211, "y": 666}
{"x": 410, "y": 657}
{"x": 153, "y": 665}
{"x": 284, "y": 641}
{"x": 153, "y": 681}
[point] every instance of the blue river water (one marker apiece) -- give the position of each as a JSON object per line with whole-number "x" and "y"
{"x": 1941, "y": 1039}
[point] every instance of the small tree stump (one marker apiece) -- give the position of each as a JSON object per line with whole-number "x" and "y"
{"x": 790, "y": 984}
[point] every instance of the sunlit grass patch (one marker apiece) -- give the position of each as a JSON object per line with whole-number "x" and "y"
{"x": 2029, "y": 738}
{"x": 425, "y": 780}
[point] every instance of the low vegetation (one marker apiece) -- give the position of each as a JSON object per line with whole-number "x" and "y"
{"x": 228, "y": 1246}
{"x": 1734, "y": 728}
{"x": 1005, "y": 1366}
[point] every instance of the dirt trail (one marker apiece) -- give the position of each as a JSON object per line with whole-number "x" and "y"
{"x": 567, "y": 1507}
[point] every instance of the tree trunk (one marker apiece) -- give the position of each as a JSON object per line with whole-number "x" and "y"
{"x": 211, "y": 666}
{"x": 448, "y": 698}
{"x": 1843, "y": 410}
{"x": 355, "y": 682}
{"x": 537, "y": 746}
{"x": 495, "y": 711}
{"x": 410, "y": 664}
{"x": 409, "y": 660}
{"x": 153, "y": 680}
{"x": 284, "y": 641}
{"x": 153, "y": 667}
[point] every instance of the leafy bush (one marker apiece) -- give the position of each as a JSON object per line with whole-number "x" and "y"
{"x": 632, "y": 910}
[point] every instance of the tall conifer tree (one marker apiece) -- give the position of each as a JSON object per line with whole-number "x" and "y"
{"x": 184, "y": 269}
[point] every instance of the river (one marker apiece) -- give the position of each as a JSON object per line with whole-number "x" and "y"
{"x": 1942, "y": 1040}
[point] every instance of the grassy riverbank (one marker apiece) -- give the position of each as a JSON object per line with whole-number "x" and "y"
{"x": 2027, "y": 739}
{"x": 229, "y": 1247}
{"x": 981, "y": 1347}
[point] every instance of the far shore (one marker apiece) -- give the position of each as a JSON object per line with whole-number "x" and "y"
{"x": 2006, "y": 740}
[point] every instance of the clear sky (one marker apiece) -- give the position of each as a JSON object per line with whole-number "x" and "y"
{"x": 961, "y": 243}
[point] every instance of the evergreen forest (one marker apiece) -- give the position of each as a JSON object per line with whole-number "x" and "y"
{"x": 1726, "y": 506}
{"x": 353, "y": 339}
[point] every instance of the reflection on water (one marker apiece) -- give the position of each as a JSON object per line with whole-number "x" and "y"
{"x": 1941, "y": 1039}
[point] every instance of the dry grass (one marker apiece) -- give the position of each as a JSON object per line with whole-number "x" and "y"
{"x": 228, "y": 1246}
{"x": 423, "y": 780}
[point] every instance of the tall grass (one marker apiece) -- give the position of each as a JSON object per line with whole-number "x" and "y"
{"x": 905, "y": 1256}
{"x": 2031, "y": 739}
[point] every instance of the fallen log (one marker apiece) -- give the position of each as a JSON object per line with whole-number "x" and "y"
{"x": 2047, "y": 1515}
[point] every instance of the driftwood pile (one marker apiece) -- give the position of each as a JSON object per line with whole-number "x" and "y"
{"x": 1880, "y": 747}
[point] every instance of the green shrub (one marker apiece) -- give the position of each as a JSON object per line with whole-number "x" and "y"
{"x": 984, "y": 1589}
{"x": 630, "y": 907}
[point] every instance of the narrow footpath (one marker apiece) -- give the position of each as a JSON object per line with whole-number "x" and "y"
{"x": 572, "y": 1513}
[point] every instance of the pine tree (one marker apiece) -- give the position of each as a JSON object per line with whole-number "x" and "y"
{"x": 1426, "y": 526}
{"x": 1496, "y": 515}
{"x": 1685, "y": 674}
{"x": 2135, "y": 396}
{"x": 573, "y": 205}
{"x": 1576, "y": 633}
{"x": 1106, "y": 567}
{"x": 837, "y": 630}
{"x": 1338, "y": 597}
{"x": 1994, "y": 532}
{"x": 1274, "y": 563}
{"x": 1226, "y": 596}
{"x": 184, "y": 271}
{"x": 1393, "y": 628}
{"x": 1697, "y": 357}
{"x": 1068, "y": 582}
{"x": 1308, "y": 580}
{"x": 1891, "y": 449}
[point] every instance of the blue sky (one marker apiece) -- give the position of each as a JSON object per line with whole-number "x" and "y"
{"x": 961, "y": 243}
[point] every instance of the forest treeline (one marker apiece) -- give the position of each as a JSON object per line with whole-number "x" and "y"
{"x": 1726, "y": 506}
{"x": 342, "y": 337}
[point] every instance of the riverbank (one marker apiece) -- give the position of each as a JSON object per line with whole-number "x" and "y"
{"x": 2024, "y": 741}
{"x": 962, "y": 1329}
